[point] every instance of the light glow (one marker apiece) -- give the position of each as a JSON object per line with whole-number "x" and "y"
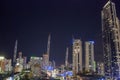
{"x": 1, "y": 57}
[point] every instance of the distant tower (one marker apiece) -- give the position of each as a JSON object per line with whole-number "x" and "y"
{"x": 77, "y": 56}
{"x": 15, "y": 52}
{"x": 48, "y": 47}
{"x": 111, "y": 41}
{"x": 14, "y": 58}
{"x": 66, "y": 58}
{"x": 89, "y": 56}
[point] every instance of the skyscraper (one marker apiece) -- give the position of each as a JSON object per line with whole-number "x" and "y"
{"x": 89, "y": 56}
{"x": 77, "y": 56}
{"x": 15, "y": 53}
{"x": 48, "y": 47}
{"x": 19, "y": 63}
{"x": 66, "y": 58}
{"x": 45, "y": 60}
{"x": 5, "y": 65}
{"x": 35, "y": 65}
{"x": 100, "y": 68}
{"x": 111, "y": 41}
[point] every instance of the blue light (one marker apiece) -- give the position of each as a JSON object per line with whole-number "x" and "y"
{"x": 63, "y": 75}
{"x": 68, "y": 73}
{"x": 92, "y": 42}
{"x": 102, "y": 79}
{"x": 49, "y": 68}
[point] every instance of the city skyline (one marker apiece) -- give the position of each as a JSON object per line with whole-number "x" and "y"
{"x": 31, "y": 24}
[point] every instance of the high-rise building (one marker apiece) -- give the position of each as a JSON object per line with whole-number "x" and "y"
{"x": 2, "y": 64}
{"x": 89, "y": 56}
{"x": 77, "y": 56}
{"x": 48, "y": 47}
{"x": 100, "y": 68}
{"x": 111, "y": 41}
{"x": 66, "y": 58}
{"x": 19, "y": 63}
{"x": 25, "y": 62}
{"x": 8, "y": 65}
{"x": 5, "y": 65}
{"x": 35, "y": 65}
{"x": 45, "y": 61}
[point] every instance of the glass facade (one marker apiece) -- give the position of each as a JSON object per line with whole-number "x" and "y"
{"x": 111, "y": 41}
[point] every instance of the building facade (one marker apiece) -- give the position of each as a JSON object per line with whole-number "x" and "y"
{"x": 89, "y": 56}
{"x": 100, "y": 68}
{"x": 19, "y": 63}
{"x": 45, "y": 61}
{"x": 35, "y": 65}
{"x": 111, "y": 41}
{"x": 5, "y": 65}
{"x": 77, "y": 56}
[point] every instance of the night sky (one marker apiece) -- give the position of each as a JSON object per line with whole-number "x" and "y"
{"x": 31, "y": 21}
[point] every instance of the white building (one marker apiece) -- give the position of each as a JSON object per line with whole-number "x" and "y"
{"x": 89, "y": 56}
{"x": 8, "y": 65}
{"x": 77, "y": 56}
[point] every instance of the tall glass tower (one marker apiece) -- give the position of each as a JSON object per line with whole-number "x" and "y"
{"x": 111, "y": 41}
